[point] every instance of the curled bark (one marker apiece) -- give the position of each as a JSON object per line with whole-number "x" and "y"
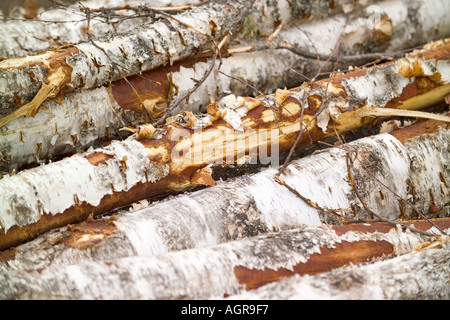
{"x": 215, "y": 271}
{"x": 235, "y": 130}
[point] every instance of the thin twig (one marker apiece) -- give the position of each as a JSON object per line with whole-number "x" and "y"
{"x": 346, "y": 148}
{"x": 198, "y": 83}
{"x": 353, "y": 185}
{"x": 324, "y": 105}
{"x": 312, "y": 203}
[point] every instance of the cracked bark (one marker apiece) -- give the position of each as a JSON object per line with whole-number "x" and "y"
{"x": 235, "y": 131}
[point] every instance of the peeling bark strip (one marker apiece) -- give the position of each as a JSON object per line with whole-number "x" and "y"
{"x": 421, "y": 274}
{"x": 89, "y": 65}
{"x": 235, "y": 130}
{"x": 251, "y": 205}
{"x": 212, "y": 271}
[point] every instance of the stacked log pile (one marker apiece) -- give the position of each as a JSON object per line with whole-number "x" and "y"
{"x": 156, "y": 152}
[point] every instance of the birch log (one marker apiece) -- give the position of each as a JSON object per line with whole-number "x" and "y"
{"x": 251, "y": 205}
{"x": 90, "y": 65}
{"x": 214, "y": 271}
{"x": 178, "y": 156}
{"x": 406, "y": 24}
{"x": 418, "y": 275}
{"x": 64, "y": 126}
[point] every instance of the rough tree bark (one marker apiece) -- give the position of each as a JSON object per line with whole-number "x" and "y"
{"x": 414, "y": 168}
{"x": 215, "y": 271}
{"x": 64, "y": 126}
{"x": 235, "y": 130}
{"x": 92, "y": 64}
{"x": 421, "y": 274}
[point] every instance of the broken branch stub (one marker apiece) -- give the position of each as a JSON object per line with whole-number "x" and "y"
{"x": 236, "y": 130}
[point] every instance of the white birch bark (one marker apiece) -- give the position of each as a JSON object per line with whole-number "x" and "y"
{"x": 83, "y": 120}
{"x": 202, "y": 273}
{"x": 417, "y": 275}
{"x": 420, "y": 21}
{"x": 255, "y": 204}
{"x": 91, "y": 65}
{"x": 128, "y": 171}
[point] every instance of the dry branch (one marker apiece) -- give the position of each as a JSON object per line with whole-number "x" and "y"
{"x": 421, "y": 274}
{"x": 214, "y": 271}
{"x": 235, "y": 130}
